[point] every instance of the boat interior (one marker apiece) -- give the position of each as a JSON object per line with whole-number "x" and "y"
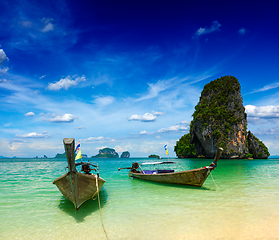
{"x": 157, "y": 171}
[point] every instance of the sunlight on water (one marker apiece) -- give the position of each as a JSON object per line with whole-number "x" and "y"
{"x": 243, "y": 205}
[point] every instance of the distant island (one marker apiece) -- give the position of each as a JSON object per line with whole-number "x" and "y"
{"x": 106, "y": 153}
{"x": 8, "y": 157}
{"x": 58, "y": 155}
{"x": 103, "y": 153}
{"x": 63, "y": 155}
{"x": 154, "y": 156}
{"x": 125, "y": 155}
{"x": 110, "y": 153}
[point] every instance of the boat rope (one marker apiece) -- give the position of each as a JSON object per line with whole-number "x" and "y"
{"x": 213, "y": 180}
{"x": 97, "y": 185}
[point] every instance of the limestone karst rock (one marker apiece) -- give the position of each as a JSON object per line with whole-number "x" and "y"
{"x": 125, "y": 154}
{"x": 106, "y": 153}
{"x": 219, "y": 120}
{"x": 256, "y": 147}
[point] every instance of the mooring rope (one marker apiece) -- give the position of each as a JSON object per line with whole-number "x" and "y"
{"x": 100, "y": 206}
{"x": 213, "y": 180}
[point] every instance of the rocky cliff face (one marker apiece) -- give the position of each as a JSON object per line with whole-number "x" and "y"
{"x": 125, "y": 155}
{"x": 107, "y": 153}
{"x": 256, "y": 147}
{"x": 220, "y": 120}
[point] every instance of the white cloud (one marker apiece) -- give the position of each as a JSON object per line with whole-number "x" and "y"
{"x": 66, "y": 83}
{"x": 242, "y": 31}
{"x": 143, "y": 132}
{"x": 4, "y": 70}
{"x": 42, "y": 77}
{"x": 171, "y": 85}
{"x": 155, "y": 89}
{"x": 30, "y": 114}
{"x": 262, "y": 112}
{"x": 103, "y": 101}
{"x": 3, "y": 57}
{"x": 215, "y": 26}
{"x": 102, "y": 147}
{"x": 120, "y": 149}
{"x": 48, "y": 26}
{"x": 157, "y": 113}
{"x": 33, "y": 135}
{"x": 176, "y": 128}
{"x": 185, "y": 122}
{"x": 147, "y": 117}
{"x": 66, "y": 118}
{"x": 97, "y": 139}
{"x": 267, "y": 87}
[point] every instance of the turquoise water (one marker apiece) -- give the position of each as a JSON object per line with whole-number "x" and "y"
{"x": 243, "y": 205}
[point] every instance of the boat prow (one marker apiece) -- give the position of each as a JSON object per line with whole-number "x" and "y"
{"x": 78, "y": 187}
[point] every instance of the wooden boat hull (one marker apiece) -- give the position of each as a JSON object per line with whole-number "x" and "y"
{"x": 78, "y": 187}
{"x": 195, "y": 177}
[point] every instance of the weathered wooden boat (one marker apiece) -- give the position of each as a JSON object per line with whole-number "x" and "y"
{"x": 194, "y": 177}
{"x": 78, "y": 187}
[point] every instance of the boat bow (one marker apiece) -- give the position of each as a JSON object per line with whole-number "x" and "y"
{"x": 78, "y": 187}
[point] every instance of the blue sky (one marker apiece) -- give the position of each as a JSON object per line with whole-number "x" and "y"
{"x": 128, "y": 74}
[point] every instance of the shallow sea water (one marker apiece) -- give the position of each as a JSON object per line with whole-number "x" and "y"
{"x": 243, "y": 205}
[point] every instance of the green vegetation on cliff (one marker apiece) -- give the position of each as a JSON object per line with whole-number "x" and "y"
{"x": 219, "y": 106}
{"x": 184, "y": 148}
{"x": 154, "y": 156}
{"x": 220, "y": 120}
{"x": 265, "y": 149}
{"x": 256, "y": 147}
{"x": 59, "y": 155}
{"x": 125, "y": 154}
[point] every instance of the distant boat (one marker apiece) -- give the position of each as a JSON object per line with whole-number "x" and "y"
{"x": 78, "y": 187}
{"x": 194, "y": 177}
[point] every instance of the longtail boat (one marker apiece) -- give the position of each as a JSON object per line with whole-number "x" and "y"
{"x": 194, "y": 177}
{"x": 78, "y": 187}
